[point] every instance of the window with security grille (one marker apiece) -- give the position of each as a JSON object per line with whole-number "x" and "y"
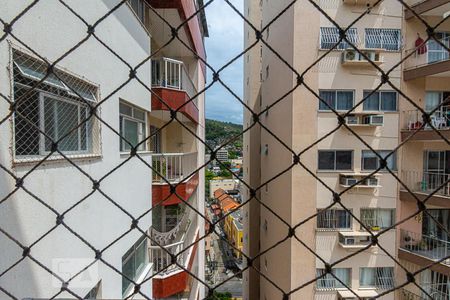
{"x": 336, "y": 99}
{"x": 329, "y": 37}
{"x": 334, "y": 219}
{"x": 381, "y": 38}
{"x": 328, "y": 281}
{"x": 377, "y": 218}
{"x": 51, "y": 109}
{"x": 380, "y": 278}
{"x": 132, "y": 127}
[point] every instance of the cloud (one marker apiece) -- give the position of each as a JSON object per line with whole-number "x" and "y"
{"x": 226, "y": 41}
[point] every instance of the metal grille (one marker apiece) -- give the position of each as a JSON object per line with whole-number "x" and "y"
{"x": 54, "y": 114}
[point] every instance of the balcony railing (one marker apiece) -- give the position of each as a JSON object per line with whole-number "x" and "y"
{"x": 173, "y": 167}
{"x": 172, "y": 74}
{"x": 435, "y": 53}
{"x": 427, "y": 182}
{"x": 439, "y": 119}
{"x": 162, "y": 259}
{"x": 425, "y": 245}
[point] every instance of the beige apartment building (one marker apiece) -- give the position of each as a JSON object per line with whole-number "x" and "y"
{"x": 296, "y": 120}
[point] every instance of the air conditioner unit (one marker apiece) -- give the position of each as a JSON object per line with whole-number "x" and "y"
{"x": 349, "y": 241}
{"x": 351, "y": 120}
{"x": 372, "y": 55}
{"x": 372, "y": 181}
{"x": 376, "y": 120}
{"x": 348, "y": 181}
{"x": 350, "y": 55}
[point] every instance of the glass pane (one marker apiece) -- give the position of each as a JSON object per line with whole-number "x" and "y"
{"x": 343, "y": 160}
{"x": 432, "y": 100}
{"x": 128, "y": 268}
{"x": 326, "y": 160}
{"x": 367, "y": 277}
{"x": 67, "y": 120}
{"x": 369, "y": 160}
{"x": 125, "y": 109}
{"x": 139, "y": 114}
{"x": 372, "y": 103}
{"x": 140, "y": 257}
{"x": 130, "y": 134}
{"x": 49, "y": 122}
{"x": 388, "y": 101}
{"x": 329, "y": 97}
{"x": 84, "y": 129}
{"x": 26, "y": 122}
{"x": 344, "y": 100}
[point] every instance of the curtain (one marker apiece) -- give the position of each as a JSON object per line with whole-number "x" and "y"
{"x": 425, "y": 282}
{"x": 344, "y": 275}
{"x": 329, "y": 97}
{"x": 384, "y": 218}
{"x": 432, "y": 100}
{"x": 367, "y": 277}
{"x": 388, "y": 101}
{"x": 344, "y": 100}
{"x": 372, "y": 103}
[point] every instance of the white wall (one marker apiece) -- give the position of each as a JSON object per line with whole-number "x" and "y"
{"x": 51, "y": 30}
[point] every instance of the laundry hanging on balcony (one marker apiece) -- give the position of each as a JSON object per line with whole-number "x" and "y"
{"x": 420, "y": 45}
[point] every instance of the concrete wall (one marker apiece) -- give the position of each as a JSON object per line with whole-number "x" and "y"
{"x": 51, "y": 30}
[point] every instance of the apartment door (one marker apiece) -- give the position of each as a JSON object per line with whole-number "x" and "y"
{"x": 435, "y": 224}
{"x": 440, "y": 100}
{"x": 436, "y": 171}
{"x": 155, "y": 139}
{"x": 436, "y": 52}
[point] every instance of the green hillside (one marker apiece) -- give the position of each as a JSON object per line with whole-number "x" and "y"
{"x": 218, "y": 132}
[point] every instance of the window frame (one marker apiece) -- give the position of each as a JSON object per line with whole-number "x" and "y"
{"x": 131, "y": 254}
{"x": 379, "y": 92}
{"x": 334, "y": 219}
{"x": 341, "y": 46}
{"x": 381, "y": 33}
{"x": 376, "y": 211}
{"x": 335, "y": 284}
{"x": 334, "y": 167}
{"x": 132, "y": 118}
{"x": 377, "y": 278}
{"x": 380, "y": 152}
{"x": 336, "y": 99}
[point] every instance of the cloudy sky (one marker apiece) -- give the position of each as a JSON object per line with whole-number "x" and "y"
{"x": 224, "y": 43}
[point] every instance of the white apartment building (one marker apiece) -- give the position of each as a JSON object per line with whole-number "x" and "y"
{"x": 104, "y": 188}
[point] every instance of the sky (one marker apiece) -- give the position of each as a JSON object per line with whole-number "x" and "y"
{"x": 226, "y": 40}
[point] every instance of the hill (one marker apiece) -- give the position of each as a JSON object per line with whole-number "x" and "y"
{"x": 218, "y": 132}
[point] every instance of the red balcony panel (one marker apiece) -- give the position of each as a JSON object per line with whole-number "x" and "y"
{"x": 177, "y": 283}
{"x": 185, "y": 190}
{"x": 186, "y": 8}
{"x": 174, "y": 99}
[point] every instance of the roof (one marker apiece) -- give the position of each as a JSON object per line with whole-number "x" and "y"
{"x": 226, "y": 202}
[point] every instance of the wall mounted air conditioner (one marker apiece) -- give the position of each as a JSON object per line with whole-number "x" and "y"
{"x": 376, "y": 120}
{"x": 348, "y": 181}
{"x": 351, "y": 120}
{"x": 350, "y": 55}
{"x": 349, "y": 241}
{"x": 372, "y": 181}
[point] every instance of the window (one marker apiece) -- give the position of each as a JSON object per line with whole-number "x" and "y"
{"x": 330, "y": 282}
{"x": 155, "y": 139}
{"x": 380, "y": 101}
{"x": 380, "y": 38}
{"x": 339, "y": 100}
{"x": 378, "y": 217}
{"x": 132, "y": 127}
{"x": 138, "y": 7}
{"x": 370, "y": 161}
{"x": 335, "y": 159}
{"x": 133, "y": 262}
{"x": 334, "y": 219}
{"x": 58, "y": 107}
{"x": 381, "y": 278}
{"x": 329, "y": 37}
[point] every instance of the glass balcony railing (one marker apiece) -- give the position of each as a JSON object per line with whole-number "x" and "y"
{"x": 173, "y": 167}
{"x": 172, "y": 74}
{"x": 425, "y": 245}
{"x": 440, "y": 119}
{"x": 432, "y": 52}
{"x": 427, "y": 182}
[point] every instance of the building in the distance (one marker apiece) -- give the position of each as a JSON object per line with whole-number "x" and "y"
{"x": 222, "y": 155}
{"x": 224, "y": 184}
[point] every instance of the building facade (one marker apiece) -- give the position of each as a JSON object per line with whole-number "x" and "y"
{"x": 342, "y": 78}
{"x": 81, "y": 171}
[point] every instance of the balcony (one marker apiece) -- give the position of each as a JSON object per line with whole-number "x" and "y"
{"x": 413, "y": 121}
{"x": 428, "y": 7}
{"x": 434, "y": 62}
{"x": 170, "y": 279}
{"x": 173, "y": 88}
{"x": 174, "y": 168}
{"x": 424, "y": 183}
{"x": 423, "y": 250}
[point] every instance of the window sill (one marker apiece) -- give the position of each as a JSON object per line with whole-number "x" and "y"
{"x": 127, "y": 154}
{"x": 54, "y": 159}
{"x": 334, "y": 171}
{"x": 333, "y": 229}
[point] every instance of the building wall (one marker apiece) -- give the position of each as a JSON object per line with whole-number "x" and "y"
{"x": 58, "y": 183}
{"x": 225, "y": 184}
